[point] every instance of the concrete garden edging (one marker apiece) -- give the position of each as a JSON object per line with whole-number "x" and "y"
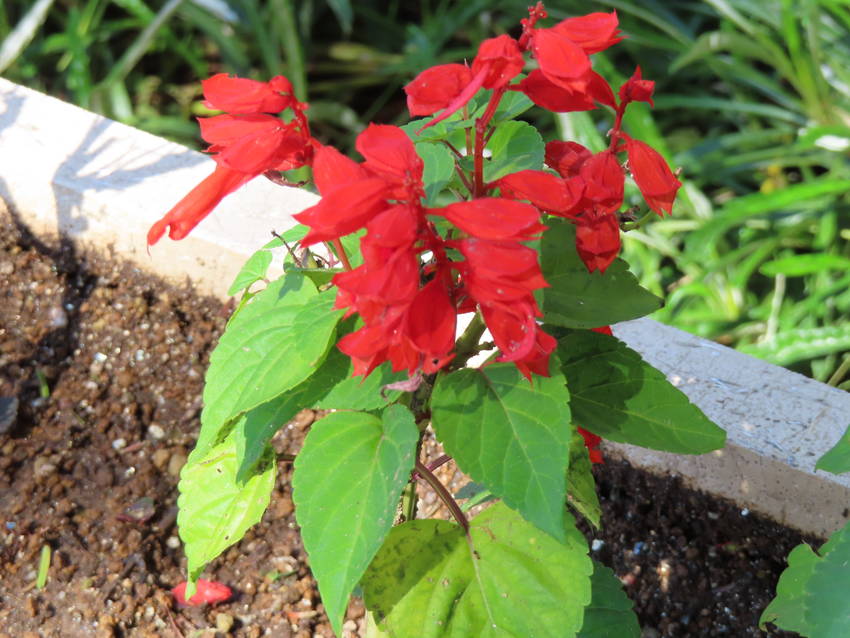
{"x": 66, "y": 170}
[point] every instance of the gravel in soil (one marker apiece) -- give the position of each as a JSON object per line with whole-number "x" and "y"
{"x": 101, "y": 371}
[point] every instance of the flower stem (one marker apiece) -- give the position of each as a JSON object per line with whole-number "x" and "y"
{"x": 340, "y": 250}
{"x": 467, "y": 344}
{"x": 428, "y": 476}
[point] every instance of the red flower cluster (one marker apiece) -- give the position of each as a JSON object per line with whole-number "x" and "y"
{"x": 408, "y": 291}
{"x": 247, "y": 141}
{"x": 588, "y": 188}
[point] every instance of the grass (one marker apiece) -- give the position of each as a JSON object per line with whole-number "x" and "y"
{"x": 753, "y": 103}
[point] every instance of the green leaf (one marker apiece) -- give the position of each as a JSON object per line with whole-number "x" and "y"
{"x": 515, "y": 146}
{"x": 617, "y": 395}
{"x": 348, "y": 479}
{"x": 837, "y": 459}
{"x": 255, "y": 428}
{"x": 511, "y": 435}
{"x": 330, "y": 387}
{"x": 581, "y": 486}
{"x": 610, "y": 610}
{"x": 216, "y": 509}
{"x": 253, "y": 270}
{"x": 272, "y": 345}
{"x": 426, "y": 582}
{"x": 513, "y": 103}
{"x": 799, "y": 265}
{"x": 811, "y": 595}
{"x": 577, "y": 298}
{"x": 439, "y": 168}
{"x": 799, "y": 344}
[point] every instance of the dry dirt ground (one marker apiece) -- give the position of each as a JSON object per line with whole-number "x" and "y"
{"x": 101, "y": 371}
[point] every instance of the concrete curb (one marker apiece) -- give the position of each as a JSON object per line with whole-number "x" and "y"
{"x": 66, "y": 170}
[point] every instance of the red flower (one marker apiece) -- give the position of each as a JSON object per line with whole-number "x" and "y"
{"x": 247, "y": 142}
{"x": 436, "y": 88}
{"x": 594, "y": 32}
{"x": 604, "y": 181}
{"x": 548, "y": 192}
{"x": 591, "y": 442}
{"x": 208, "y": 592}
{"x": 566, "y": 157}
{"x": 636, "y": 89}
{"x": 494, "y": 218}
{"x": 653, "y": 177}
{"x": 500, "y": 59}
{"x": 597, "y": 239}
{"x": 244, "y": 96}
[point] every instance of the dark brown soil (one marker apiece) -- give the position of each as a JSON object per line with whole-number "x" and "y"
{"x": 106, "y": 365}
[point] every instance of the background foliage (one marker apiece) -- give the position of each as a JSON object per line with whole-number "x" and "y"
{"x": 753, "y": 104}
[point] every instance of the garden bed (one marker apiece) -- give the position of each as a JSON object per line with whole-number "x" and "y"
{"x": 107, "y": 364}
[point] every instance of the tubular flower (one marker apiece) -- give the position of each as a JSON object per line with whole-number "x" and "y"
{"x": 409, "y": 303}
{"x": 653, "y": 177}
{"x": 246, "y": 142}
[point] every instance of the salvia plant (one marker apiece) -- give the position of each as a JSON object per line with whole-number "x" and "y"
{"x": 464, "y": 217}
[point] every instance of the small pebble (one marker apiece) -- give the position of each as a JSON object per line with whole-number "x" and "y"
{"x": 160, "y": 458}
{"x": 224, "y": 623}
{"x": 596, "y": 544}
{"x": 119, "y": 444}
{"x": 176, "y": 463}
{"x": 155, "y": 431}
{"x": 6, "y": 267}
{"x": 745, "y": 512}
{"x": 173, "y": 542}
{"x": 42, "y": 467}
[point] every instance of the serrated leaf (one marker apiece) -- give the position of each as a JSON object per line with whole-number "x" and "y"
{"x": 272, "y": 345}
{"x": 439, "y": 168}
{"x": 837, "y": 459}
{"x": 811, "y": 595}
{"x": 581, "y": 486}
{"x": 216, "y": 509}
{"x": 347, "y": 482}
{"x": 617, "y": 395}
{"x": 255, "y": 428}
{"x": 515, "y": 146}
{"x": 330, "y": 387}
{"x": 610, "y": 610}
{"x": 513, "y": 103}
{"x": 254, "y": 269}
{"x": 509, "y": 435}
{"x": 426, "y": 582}
{"x": 799, "y": 344}
{"x": 577, "y": 298}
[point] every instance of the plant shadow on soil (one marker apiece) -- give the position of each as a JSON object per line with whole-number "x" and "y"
{"x": 121, "y": 357}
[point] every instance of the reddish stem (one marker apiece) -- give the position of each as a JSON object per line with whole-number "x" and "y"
{"x": 428, "y": 476}
{"x": 481, "y": 140}
{"x": 340, "y": 251}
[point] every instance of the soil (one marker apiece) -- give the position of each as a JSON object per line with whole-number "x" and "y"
{"x": 101, "y": 371}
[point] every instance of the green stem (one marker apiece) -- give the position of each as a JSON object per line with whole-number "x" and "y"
{"x": 292, "y": 49}
{"x": 428, "y": 476}
{"x": 839, "y": 374}
{"x": 467, "y": 345}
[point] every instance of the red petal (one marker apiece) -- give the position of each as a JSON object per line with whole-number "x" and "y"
{"x": 343, "y": 210}
{"x": 600, "y": 90}
{"x": 396, "y": 226}
{"x": 654, "y": 178}
{"x": 501, "y": 58}
{"x": 604, "y": 181}
{"x": 431, "y": 320}
{"x": 241, "y": 95}
{"x": 560, "y": 59}
{"x": 514, "y": 329}
{"x": 435, "y": 88}
{"x": 389, "y": 151}
{"x": 207, "y": 592}
{"x": 197, "y": 204}
{"x": 537, "y": 361}
{"x": 462, "y": 98}
{"x": 332, "y": 169}
{"x": 494, "y": 218}
{"x": 553, "y": 97}
{"x": 591, "y": 442}
{"x": 594, "y": 32}
{"x": 566, "y": 157}
{"x": 597, "y": 240}
{"x": 224, "y": 130}
{"x": 548, "y": 192}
